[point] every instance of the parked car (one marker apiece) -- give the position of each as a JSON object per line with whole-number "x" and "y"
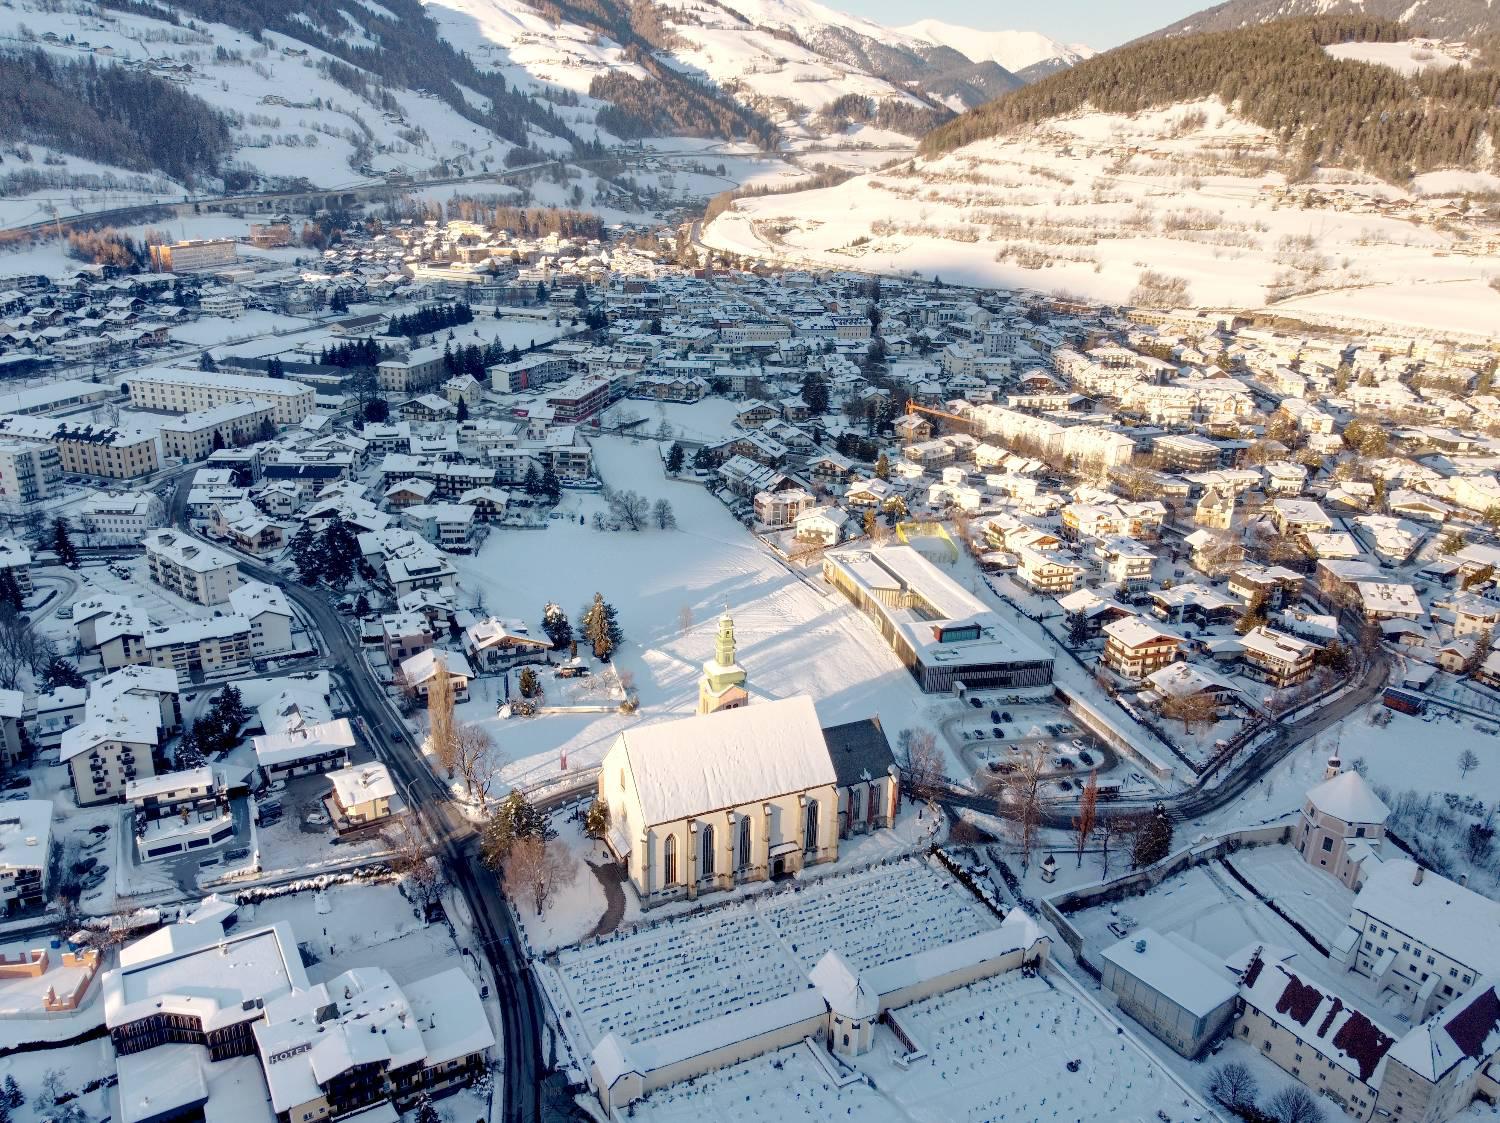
{"x": 995, "y": 716}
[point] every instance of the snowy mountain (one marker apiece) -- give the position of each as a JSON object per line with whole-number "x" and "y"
{"x": 1027, "y": 54}
{"x": 1454, "y": 19}
{"x": 325, "y": 91}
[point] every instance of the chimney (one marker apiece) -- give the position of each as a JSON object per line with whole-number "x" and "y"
{"x": 1335, "y": 766}
{"x": 1416, "y": 876}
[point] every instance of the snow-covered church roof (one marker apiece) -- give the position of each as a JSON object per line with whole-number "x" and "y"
{"x": 1349, "y": 798}
{"x": 698, "y": 764}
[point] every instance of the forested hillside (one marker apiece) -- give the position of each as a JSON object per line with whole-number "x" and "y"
{"x": 110, "y": 115}
{"x": 1452, "y": 19}
{"x": 410, "y": 54}
{"x": 1278, "y": 76}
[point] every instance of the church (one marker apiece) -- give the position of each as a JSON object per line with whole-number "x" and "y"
{"x": 740, "y": 792}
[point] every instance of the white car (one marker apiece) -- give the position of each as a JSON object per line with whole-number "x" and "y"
{"x": 318, "y": 818}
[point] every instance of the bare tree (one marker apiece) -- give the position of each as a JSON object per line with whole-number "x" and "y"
{"x": 1191, "y": 709}
{"x": 15, "y": 648}
{"x": 415, "y": 864}
{"x": 1108, "y": 827}
{"x": 631, "y": 508}
{"x": 471, "y": 760}
{"x": 537, "y": 869}
{"x": 920, "y": 761}
{"x": 684, "y": 619}
{"x": 1083, "y": 822}
{"x": 665, "y": 518}
{"x": 1020, "y": 799}
{"x": 1294, "y": 1105}
{"x": 1233, "y": 1085}
{"x": 440, "y": 717}
{"x": 1467, "y": 762}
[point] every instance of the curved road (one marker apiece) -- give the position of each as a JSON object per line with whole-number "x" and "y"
{"x": 1200, "y": 800}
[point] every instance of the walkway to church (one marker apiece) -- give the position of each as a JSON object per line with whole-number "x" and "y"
{"x": 610, "y": 875}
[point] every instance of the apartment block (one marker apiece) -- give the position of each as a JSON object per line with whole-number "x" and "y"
{"x": 192, "y": 436}
{"x": 193, "y": 570}
{"x": 188, "y": 391}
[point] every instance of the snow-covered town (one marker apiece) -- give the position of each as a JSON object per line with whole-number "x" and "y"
{"x": 515, "y": 627}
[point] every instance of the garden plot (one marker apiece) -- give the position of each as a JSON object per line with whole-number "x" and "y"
{"x": 702, "y": 965}
{"x": 1311, "y": 896}
{"x": 1014, "y": 1048}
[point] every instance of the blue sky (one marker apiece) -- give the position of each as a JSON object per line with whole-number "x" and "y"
{"x": 1099, "y": 23}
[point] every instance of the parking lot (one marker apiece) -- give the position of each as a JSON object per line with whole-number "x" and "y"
{"x": 989, "y": 735}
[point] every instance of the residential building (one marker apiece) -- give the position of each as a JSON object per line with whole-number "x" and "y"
{"x": 25, "y": 853}
{"x": 1134, "y": 647}
{"x": 304, "y": 750}
{"x": 269, "y": 614}
{"x": 119, "y": 520}
{"x": 192, "y": 436}
{"x": 188, "y": 391}
{"x": 361, "y": 796}
{"x": 194, "y": 570}
{"x": 777, "y": 510}
{"x": 418, "y": 672}
{"x": 193, "y": 255}
{"x": 1278, "y": 658}
{"x": 29, "y": 473}
{"x": 106, "y": 751}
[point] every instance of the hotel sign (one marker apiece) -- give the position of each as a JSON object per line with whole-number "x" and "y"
{"x": 288, "y": 1054}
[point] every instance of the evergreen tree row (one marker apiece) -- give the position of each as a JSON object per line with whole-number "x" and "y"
{"x": 430, "y": 318}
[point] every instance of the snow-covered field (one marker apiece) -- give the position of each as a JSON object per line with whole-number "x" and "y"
{"x": 1408, "y": 56}
{"x": 1089, "y": 203}
{"x": 714, "y": 962}
{"x": 1015, "y": 1047}
{"x": 795, "y": 636}
{"x": 710, "y": 420}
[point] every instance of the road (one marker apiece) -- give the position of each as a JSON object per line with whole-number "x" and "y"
{"x": 128, "y": 215}
{"x": 1198, "y": 801}
{"x": 454, "y": 837}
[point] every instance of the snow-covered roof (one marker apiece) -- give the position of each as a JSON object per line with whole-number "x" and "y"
{"x": 1466, "y": 1032}
{"x": 1348, "y": 798}
{"x": 1435, "y": 911}
{"x": 698, "y": 764}
{"x": 1171, "y": 967}
{"x": 361, "y": 783}
{"x": 842, "y": 988}
{"x": 25, "y": 831}
{"x": 170, "y": 782}
{"x": 196, "y": 970}
{"x": 296, "y": 744}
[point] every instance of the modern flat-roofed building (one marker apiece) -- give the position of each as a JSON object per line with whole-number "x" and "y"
{"x": 186, "y": 391}
{"x": 943, "y": 633}
{"x": 193, "y": 570}
{"x": 25, "y": 843}
{"x": 1167, "y": 985}
{"x": 193, "y": 255}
